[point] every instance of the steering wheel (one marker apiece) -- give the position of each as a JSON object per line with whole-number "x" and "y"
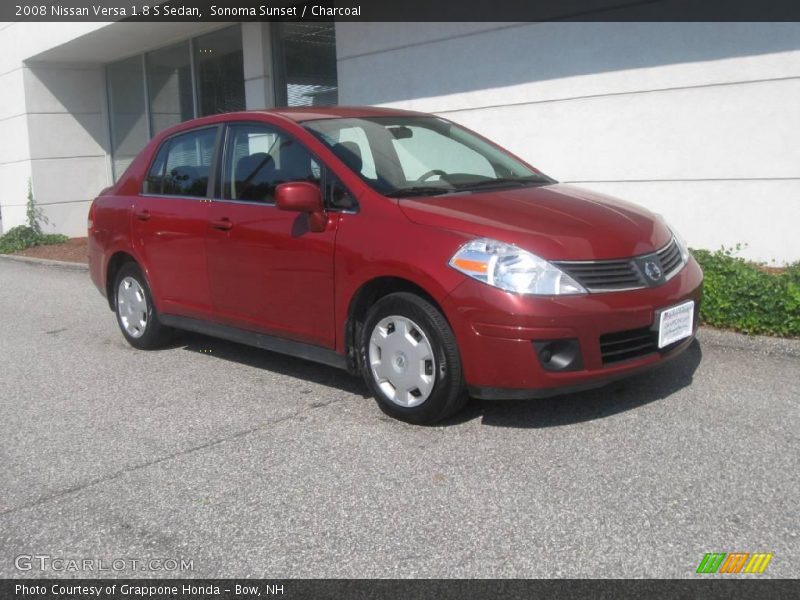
{"x": 430, "y": 174}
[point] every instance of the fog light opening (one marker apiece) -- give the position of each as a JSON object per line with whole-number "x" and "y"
{"x": 559, "y": 355}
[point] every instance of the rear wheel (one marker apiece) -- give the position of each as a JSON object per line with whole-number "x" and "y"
{"x": 136, "y": 314}
{"x": 410, "y": 360}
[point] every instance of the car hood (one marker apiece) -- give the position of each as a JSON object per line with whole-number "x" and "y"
{"x": 557, "y": 222}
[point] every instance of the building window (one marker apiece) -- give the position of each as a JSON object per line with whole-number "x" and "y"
{"x": 128, "y": 118}
{"x": 305, "y": 64}
{"x": 148, "y": 93}
{"x": 205, "y": 76}
{"x": 169, "y": 86}
{"x": 220, "y": 71}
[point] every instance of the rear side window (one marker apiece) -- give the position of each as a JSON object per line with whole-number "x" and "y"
{"x": 259, "y": 158}
{"x": 183, "y": 165}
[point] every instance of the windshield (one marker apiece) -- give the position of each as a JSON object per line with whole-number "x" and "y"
{"x": 421, "y": 156}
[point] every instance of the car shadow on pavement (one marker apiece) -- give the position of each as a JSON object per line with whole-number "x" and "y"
{"x": 620, "y": 396}
{"x": 271, "y": 361}
{"x": 617, "y": 397}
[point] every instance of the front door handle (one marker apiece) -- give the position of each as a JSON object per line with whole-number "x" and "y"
{"x": 224, "y": 224}
{"x": 143, "y": 215}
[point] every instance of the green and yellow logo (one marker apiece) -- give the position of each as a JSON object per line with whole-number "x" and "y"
{"x": 734, "y": 562}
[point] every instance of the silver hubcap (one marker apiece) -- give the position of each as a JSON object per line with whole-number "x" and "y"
{"x": 402, "y": 362}
{"x": 132, "y": 307}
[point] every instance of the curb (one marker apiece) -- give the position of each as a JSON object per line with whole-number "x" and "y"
{"x": 46, "y": 262}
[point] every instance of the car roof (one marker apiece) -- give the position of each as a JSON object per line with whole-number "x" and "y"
{"x": 297, "y": 114}
{"x": 310, "y": 113}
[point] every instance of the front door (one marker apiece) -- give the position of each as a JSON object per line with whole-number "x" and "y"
{"x": 267, "y": 272}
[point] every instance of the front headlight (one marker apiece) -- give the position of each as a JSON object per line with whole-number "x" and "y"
{"x": 512, "y": 269}
{"x": 681, "y": 243}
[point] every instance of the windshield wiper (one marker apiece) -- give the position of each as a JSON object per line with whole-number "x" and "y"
{"x": 521, "y": 181}
{"x": 419, "y": 190}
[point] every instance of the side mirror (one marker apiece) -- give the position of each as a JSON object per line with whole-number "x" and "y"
{"x": 299, "y": 196}
{"x": 304, "y": 197}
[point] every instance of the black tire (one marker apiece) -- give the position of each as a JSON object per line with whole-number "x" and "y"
{"x": 154, "y": 334}
{"x": 448, "y": 394}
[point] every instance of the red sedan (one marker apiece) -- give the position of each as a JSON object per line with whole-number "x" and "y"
{"x": 394, "y": 244}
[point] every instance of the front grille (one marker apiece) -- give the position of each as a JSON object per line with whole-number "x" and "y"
{"x": 625, "y": 345}
{"x": 670, "y": 258}
{"x": 604, "y": 275}
{"x": 625, "y": 273}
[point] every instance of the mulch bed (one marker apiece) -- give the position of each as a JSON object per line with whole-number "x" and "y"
{"x": 73, "y": 250}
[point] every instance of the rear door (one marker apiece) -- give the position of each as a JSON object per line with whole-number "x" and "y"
{"x": 267, "y": 272}
{"x": 170, "y": 221}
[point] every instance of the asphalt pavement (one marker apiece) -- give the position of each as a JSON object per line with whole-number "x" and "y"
{"x": 252, "y": 464}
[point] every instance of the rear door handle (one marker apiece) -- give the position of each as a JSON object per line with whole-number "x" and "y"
{"x": 143, "y": 215}
{"x": 224, "y": 224}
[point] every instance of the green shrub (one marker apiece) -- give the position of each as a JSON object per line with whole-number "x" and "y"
{"x": 24, "y": 236}
{"x": 744, "y": 296}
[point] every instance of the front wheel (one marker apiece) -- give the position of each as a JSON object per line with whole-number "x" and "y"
{"x": 136, "y": 314}
{"x": 410, "y": 360}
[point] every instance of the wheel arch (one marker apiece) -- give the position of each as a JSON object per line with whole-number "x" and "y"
{"x": 115, "y": 263}
{"x": 368, "y": 294}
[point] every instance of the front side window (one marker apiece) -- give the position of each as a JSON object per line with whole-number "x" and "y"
{"x": 188, "y": 164}
{"x": 414, "y": 156}
{"x": 259, "y": 158}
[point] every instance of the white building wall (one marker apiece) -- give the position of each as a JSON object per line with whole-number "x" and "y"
{"x": 697, "y": 121}
{"x": 15, "y": 163}
{"x": 42, "y": 140}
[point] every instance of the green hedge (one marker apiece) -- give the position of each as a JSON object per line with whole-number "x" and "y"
{"x": 743, "y": 296}
{"x": 23, "y": 236}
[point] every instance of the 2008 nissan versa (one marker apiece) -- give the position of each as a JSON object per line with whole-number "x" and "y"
{"x": 393, "y": 244}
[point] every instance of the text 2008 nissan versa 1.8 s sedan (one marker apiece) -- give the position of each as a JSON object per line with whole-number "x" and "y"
{"x": 393, "y": 244}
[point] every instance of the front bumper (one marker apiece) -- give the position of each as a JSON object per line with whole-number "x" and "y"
{"x": 496, "y": 331}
